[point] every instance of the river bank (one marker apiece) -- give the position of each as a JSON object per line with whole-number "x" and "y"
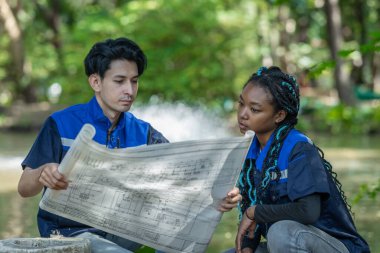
{"x": 9, "y": 179}
{"x": 23, "y": 117}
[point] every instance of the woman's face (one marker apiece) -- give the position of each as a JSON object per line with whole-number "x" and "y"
{"x": 256, "y": 111}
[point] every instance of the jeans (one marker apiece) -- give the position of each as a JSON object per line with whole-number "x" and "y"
{"x": 262, "y": 248}
{"x": 110, "y": 243}
{"x": 293, "y": 237}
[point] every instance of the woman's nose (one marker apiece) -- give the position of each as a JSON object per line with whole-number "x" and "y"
{"x": 243, "y": 113}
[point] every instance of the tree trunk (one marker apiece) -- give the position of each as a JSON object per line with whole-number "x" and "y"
{"x": 335, "y": 38}
{"x": 16, "y": 66}
{"x": 284, "y": 41}
{"x": 376, "y": 73}
{"x": 365, "y": 69}
{"x": 16, "y": 47}
{"x": 51, "y": 17}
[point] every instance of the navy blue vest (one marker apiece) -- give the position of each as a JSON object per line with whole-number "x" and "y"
{"x": 335, "y": 218}
{"x": 254, "y": 153}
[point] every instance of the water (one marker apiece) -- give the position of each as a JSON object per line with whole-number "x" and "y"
{"x": 356, "y": 160}
{"x": 13, "y": 148}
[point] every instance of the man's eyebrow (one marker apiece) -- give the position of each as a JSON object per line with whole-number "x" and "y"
{"x": 119, "y": 76}
{"x": 124, "y": 76}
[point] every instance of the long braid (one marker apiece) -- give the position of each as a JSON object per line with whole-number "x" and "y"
{"x": 271, "y": 160}
{"x": 249, "y": 194}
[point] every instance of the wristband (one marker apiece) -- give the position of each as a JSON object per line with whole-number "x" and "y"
{"x": 252, "y": 219}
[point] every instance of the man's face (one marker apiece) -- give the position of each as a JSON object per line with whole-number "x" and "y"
{"x": 118, "y": 89}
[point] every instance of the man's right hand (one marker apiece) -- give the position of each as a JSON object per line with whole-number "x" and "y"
{"x": 52, "y": 178}
{"x": 32, "y": 181}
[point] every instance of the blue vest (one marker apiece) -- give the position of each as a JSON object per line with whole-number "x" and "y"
{"x": 129, "y": 132}
{"x": 254, "y": 153}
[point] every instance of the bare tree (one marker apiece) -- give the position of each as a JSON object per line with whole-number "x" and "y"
{"x": 335, "y": 38}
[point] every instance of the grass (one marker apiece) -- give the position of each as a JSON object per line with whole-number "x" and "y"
{"x": 4, "y": 210}
{"x": 18, "y": 216}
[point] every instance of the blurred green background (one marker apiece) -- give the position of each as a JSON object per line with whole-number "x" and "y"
{"x": 200, "y": 53}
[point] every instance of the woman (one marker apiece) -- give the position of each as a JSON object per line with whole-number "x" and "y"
{"x": 291, "y": 196}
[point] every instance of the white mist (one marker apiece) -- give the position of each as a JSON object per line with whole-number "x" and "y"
{"x": 178, "y": 122}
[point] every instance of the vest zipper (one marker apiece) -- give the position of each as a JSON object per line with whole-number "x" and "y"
{"x": 108, "y": 137}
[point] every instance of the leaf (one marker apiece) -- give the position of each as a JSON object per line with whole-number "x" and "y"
{"x": 345, "y": 53}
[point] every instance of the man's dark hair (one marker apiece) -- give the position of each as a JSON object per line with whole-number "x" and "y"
{"x": 101, "y": 55}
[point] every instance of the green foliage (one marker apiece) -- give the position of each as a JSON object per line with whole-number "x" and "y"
{"x": 367, "y": 190}
{"x": 339, "y": 119}
{"x": 145, "y": 249}
{"x": 372, "y": 46}
{"x": 191, "y": 47}
{"x": 199, "y": 52}
{"x": 316, "y": 70}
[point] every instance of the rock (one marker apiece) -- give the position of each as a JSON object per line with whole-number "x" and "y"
{"x": 45, "y": 245}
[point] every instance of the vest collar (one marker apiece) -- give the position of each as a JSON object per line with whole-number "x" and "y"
{"x": 255, "y": 153}
{"x": 97, "y": 116}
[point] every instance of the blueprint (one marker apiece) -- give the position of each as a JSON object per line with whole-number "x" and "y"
{"x": 164, "y": 196}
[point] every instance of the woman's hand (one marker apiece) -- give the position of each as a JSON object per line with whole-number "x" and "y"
{"x": 230, "y": 201}
{"x": 246, "y": 228}
{"x": 247, "y": 250}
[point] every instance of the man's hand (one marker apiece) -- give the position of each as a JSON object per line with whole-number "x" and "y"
{"x": 52, "y": 178}
{"x": 230, "y": 201}
{"x": 32, "y": 181}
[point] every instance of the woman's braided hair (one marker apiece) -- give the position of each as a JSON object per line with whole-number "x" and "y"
{"x": 285, "y": 96}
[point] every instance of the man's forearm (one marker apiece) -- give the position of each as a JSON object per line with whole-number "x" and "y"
{"x": 29, "y": 184}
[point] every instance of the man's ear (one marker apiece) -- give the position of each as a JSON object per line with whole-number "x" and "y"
{"x": 280, "y": 116}
{"x": 94, "y": 81}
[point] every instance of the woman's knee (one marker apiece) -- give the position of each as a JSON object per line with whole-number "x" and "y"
{"x": 282, "y": 228}
{"x": 281, "y": 234}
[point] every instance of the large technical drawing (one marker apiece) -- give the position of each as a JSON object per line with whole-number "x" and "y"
{"x": 164, "y": 196}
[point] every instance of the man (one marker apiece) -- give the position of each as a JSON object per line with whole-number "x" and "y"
{"x": 113, "y": 68}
